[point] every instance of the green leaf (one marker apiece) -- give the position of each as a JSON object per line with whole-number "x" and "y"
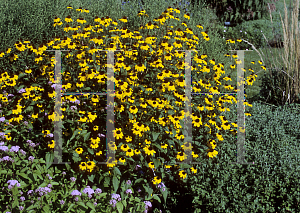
{"x": 102, "y": 195}
{"x": 70, "y": 207}
{"x": 49, "y": 159}
{"x": 155, "y": 135}
{"x": 119, "y": 206}
{"x": 15, "y": 203}
{"x": 115, "y": 183}
{"x": 46, "y": 208}
{"x": 91, "y": 205}
{"x": 23, "y": 175}
{"x": 91, "y": 178}
{"x": 3, "y": 171}
{"x": 124, "y": 203}
{"x": 156, "y": 162}
{"x": 165, "y": 195}
{"x": 156, "y": 198}
{"x": 82, "y": 205}
{"x": 117, "y": 171}
{"x": 140, "y": 180}
{"x": 137, "y": 199}
{"x": 86, "y": 136}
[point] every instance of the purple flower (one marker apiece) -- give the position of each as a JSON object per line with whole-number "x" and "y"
{"x": 29, "y": 192}
{"x": 113, "y": 202}
{"x": 43, "y": 190}
{"x": 73, "y": 107}
{"x": 75, "y": 192}
{"x": 95, "y": 204}
{"x": 115, "y": 196}
{"x": 161, "y": 185}
{"x": 76, "y": 199}
{"x": 14, "y": 149}
{"x": 49, "y": 185}
{"x": 20, "y": 192}
{"x": 22, "y": 152}
{"x": 73, "y": 179}
{"x": 88, "y": 190}
{"x": 2, "y": 119}
{"x": 22, "y": 198}
{"x": 128, "y": 182}
{"x": 32, "y": 145}
{"x": 12, "y": 183}
{"x": 21, "y": 90}
{"x": 2, "y": 134}
{"x": 77, "y": 102}
{"x": 128, "y": 191}
{"x": 50, "y": 178}
{"x": 50, "y": 135}
{"x": 21, "y": 208}
{"x": 62, "y": 202}
{"x": 63, "y": 173}
{"x": 1, "y": 143}
{"x": 137, "y": 167}
{"x": 98, "y": 191}
{"x": 31, "y": 158}
{"x": 4, "y": 148}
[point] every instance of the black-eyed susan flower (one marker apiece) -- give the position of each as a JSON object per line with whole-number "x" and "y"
{"x": 125, "y": 147}
{"x": 51, "y": 144}
{"x": 133, "y": 109}
{"x": 79, "y": 150}
{"x": 193, "y": 170}
{"x": 181, "y": 156}
{"x": 151, "y": 165}
{"x": 82, "y": 166}
{"x": 118, "y": 133}
{"x": 130, "y": 152}
{"x": 90, "y": 166}
{"x": 128, "y": 139}
{"x": 182, "y": 174}
{"x": 149, "y": 151}
{"x": 137, "y": 151}
{"x": 122, "y": 160}
{"x": 111, "y": 162}
{"x": 212, "y": 154}
{"x": 99, "y": 153}
{"x": 156, "y": 180}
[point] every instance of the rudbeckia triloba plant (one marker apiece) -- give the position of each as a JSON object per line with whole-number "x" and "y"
{"x": 149, "y": 95}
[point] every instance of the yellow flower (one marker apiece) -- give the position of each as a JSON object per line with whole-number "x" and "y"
{"x": 129, "y": 153}
{"x": 82, "y": 166}
{"x": 111, "y": 163}
{"x": 118, "y": 133}
{"x": 182, "y": 174}
{"x": 181, "y": 156}
{"x": 122, "y": 160}
{"x": 212, "y": 154}
{"x": 52, "y": 144}
{"x": 99, "y": 153}
{"x": 151, "y": 165}
{"x": 79, "y": 150}
{"x": 90, "y": 165}
{"x": 156, "y": 180}
{"x": 149, "y": 151}
{"x": 193, "y": 170}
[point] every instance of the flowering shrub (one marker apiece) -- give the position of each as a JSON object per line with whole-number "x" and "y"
{"x": 148, "y": 109}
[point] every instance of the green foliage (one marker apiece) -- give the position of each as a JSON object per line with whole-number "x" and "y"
{"x": 238, "y": 11}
